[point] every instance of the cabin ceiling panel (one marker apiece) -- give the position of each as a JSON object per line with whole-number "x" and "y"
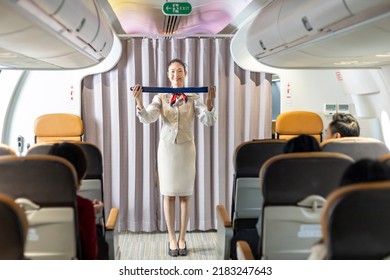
{"x": 207, "y": 17}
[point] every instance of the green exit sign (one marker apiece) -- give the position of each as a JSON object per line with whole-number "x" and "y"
{"x": 177, "y": 8}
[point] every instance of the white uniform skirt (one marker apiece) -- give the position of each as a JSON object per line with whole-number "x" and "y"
{"x": 176, "y": 168}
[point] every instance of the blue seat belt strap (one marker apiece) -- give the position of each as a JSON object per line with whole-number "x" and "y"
{"x": 173, "y": 90}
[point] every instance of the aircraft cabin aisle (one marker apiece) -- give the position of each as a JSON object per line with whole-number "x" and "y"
{"x": 265, "y": 57}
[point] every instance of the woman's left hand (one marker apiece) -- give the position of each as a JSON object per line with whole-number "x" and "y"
{"x": 210, "y": 98}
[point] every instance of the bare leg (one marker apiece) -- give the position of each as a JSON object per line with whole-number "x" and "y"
{"x": 169, "y": 212}
{"x": 184, "y": 218}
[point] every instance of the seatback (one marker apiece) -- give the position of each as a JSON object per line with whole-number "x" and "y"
{"x": 355, "y": 222}
{"x": 6, "y": 150}
{"x": 247, "y": 198}
{"x": 295, "y": 187}
{"x": 58, "y": 126}
{"x": 46, "y": 187}
{"x": 92, "y": 184}
{"x": 356, "y": 147}
{"x": 293, "y": 123}
{"x": 92, "y": 188}
{"x": 94, "y": 165}
{"x": 14, "y": 227}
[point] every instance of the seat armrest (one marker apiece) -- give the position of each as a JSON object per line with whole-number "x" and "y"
{"x": 112, "y": 219}
{"x": 223, "y": 216}
{"x": 114, "y": 252}
{"x": 224, "y": 233}
{"x": 244, "y": 251}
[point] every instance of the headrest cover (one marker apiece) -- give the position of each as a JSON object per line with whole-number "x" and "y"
{"x": 299, "y": 122}
{"x": 58, "y": 125}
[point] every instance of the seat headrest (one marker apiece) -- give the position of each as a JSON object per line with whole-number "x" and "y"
{"x": 299, "y": 122}
{"x": 44, "y": 179}
{"x": 289, "y": 178}
{"x": 92, "y": 152}
{"x": 58, "y": 126}
{"x": 352, "y": 139}
{"x": 249, "y": 156}
{"x": 356, "y": 147}
{"x": 6, "y": 150}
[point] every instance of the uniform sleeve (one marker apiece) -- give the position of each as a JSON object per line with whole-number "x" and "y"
{"x": 206, "y": 117}
{"x": 151, "y": 112}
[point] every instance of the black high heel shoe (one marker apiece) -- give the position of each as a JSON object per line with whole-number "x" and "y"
{"x": 172, "y": 252}
{"x": 183, "y": 252}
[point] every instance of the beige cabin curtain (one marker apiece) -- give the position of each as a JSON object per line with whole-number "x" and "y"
{"x": 129, "y": 148}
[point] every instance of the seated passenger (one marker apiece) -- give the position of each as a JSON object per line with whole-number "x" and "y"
{"x": 364, "y": 170}
{"x": 342, "y": 125}
{"x": 86, "y": 209}
{"x": 301, "y": 143}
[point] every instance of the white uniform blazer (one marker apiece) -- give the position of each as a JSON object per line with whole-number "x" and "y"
{"x": 178, "y": 121}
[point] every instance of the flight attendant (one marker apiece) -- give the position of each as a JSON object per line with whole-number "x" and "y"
{"x": 176, "y": 150}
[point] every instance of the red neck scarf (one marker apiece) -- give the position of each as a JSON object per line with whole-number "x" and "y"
{"x": 176, "y": 97}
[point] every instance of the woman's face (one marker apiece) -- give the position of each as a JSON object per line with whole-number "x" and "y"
{"x": 176, "y": 75}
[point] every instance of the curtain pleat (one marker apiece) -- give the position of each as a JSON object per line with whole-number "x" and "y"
{"x": 129, "y": 148}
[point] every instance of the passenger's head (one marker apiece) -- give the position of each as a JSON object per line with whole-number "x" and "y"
{"x": 365, "y": 170}
{"x": 342, "y": 125}
{"x": 302, "y": 143}
{"x": 74, "y": 154}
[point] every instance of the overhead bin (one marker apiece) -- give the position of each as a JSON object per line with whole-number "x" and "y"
{"x": 54, "y": 34}
{"x": 83, "y": 20}
{"x": 263, "y": 33}
{"x": 50, "y": 7}
{"x": 359, "y": 6}
{"x": 317, "y": 33}
{"x": 300, "y": 18}
{"x": 284, "y": 22}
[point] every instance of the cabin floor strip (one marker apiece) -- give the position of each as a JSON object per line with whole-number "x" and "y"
{"x": 153, "y": 246}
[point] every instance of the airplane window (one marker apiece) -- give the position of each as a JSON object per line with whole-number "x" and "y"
{"x": 385, "y": 121}
{"x": 275, "y": 96}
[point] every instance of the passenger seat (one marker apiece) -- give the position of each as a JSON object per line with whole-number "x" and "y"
{"x": 58, "y": 127}
{"x": 14, "y": 227}
{"x": 355, "y": 222}
{"x": 356, "y": 147}
{"x": 293, "y": 123}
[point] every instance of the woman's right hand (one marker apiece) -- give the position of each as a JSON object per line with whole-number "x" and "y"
{"x": 137, "y": 93}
